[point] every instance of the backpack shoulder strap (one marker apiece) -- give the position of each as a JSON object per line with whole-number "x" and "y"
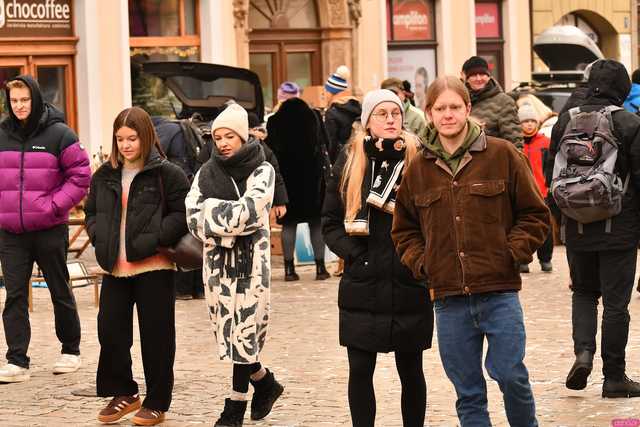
{"x": 574, "y": 112}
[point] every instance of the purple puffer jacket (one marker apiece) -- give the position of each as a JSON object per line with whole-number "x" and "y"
{"x": 44, "y": 173}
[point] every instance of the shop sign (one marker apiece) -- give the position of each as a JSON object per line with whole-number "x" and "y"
{"x": 412, "y": 20}
{"x": 487, "y": 20}
{"x": 36, "y": 18}
{"x": 418, "y": 66}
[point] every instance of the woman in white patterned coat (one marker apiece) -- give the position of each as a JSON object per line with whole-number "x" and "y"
{"x": 228, "y": 209}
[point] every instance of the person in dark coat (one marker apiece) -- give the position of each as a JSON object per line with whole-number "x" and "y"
{"x": 294, "y": 134}
{"x": 342, "y": 111}
{"x": 174, "y": 138}
{"x": 382, "y": 307}
{"x": 603, "y": 263}
{"x": 135, "y": 206}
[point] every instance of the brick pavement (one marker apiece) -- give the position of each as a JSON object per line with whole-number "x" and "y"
{"x": 303, "y": 351}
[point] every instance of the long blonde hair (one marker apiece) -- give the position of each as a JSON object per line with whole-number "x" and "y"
{"x": 356, "y": 166}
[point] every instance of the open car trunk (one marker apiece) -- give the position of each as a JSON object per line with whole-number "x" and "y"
{"x": 205, "y": 88}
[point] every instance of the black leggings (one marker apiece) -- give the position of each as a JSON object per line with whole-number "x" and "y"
{"x": 241, "y": 375}
{"x": 362, "y": 399}
{"x": 289, "y": 239}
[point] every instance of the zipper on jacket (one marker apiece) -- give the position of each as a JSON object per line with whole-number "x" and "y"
{"x": 22, "y": 186}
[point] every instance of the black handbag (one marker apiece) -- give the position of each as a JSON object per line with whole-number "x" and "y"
{"x": 187, "y": 253}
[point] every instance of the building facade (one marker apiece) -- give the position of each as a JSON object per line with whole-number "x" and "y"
{"x": 86, "y": 53}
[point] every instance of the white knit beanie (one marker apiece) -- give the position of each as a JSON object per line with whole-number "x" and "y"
{"x": 375, "y": 97}
{"x": 527, "y": 112}
{"x": 233, "y": 117}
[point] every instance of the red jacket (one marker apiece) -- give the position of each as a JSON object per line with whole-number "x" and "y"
{"x": 535, "y": 149}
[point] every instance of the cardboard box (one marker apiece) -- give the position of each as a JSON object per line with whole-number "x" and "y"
{"x": 315, "y": 96}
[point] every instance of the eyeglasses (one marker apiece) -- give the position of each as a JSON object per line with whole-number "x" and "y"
{"x": 381, "y": 116}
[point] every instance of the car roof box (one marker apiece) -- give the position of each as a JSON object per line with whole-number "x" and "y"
{"x": 565, "y": 47}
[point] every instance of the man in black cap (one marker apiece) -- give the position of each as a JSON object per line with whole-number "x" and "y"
{"x": 495, "y": 110}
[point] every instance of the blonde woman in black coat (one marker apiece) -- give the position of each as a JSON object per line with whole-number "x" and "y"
{"x": 382, "y": 307}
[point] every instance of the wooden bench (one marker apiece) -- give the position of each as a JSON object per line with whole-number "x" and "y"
{"x": 94, "y": 278}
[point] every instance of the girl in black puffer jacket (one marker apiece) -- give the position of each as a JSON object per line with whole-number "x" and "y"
{"x": 135, "y": 205}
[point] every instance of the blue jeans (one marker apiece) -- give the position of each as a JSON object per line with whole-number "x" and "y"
{"x": 463, "y": 322}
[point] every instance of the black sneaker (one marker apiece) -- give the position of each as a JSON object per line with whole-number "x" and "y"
{"x": 267, "y": 391}
{"x": 624, "y": 387}
{"x": 233, "y": 414}
{"x": 580, "y": 371}
{"x": 547, "y": 267}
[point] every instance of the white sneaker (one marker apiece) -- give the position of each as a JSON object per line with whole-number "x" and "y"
{"x": 67, "y": 363}
{"x": 11, "y": 373}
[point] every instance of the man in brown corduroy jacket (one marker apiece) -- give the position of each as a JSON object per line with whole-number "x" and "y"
{"x": 468, "y": 211}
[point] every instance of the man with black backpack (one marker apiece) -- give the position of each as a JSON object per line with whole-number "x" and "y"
{"x": 593, "y": 173}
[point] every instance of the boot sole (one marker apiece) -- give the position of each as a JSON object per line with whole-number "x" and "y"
{"x": 15, "y": 379}
{"x": 256, "y": 417}
{"x": 577, "y": 380}
{"x": 147, "y": 422}
{"x": 619, "y": 394}
{"x": 107, "y": 419}
{"x": 58, "y": 371}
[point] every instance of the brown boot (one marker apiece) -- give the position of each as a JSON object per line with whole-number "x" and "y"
{"x": 118, "y": 408}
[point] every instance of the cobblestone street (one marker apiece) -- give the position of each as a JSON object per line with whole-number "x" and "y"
{"x": 303, "y": 351}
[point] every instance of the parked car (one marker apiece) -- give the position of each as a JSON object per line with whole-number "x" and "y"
{"x": 566, "y": 50}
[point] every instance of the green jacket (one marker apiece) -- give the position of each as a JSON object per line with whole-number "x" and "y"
{"x": 498, "y": 112}
{"x": 414, "y": 120}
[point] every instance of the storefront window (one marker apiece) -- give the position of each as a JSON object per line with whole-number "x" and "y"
{"x": 161, "y": 18}
{"x": 412, "y": 44}
{"x": 160, "y": 30}
{"x": 6, "y": 74}
{"x": 490, "y": 44}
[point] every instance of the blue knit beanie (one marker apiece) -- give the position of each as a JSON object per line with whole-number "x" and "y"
{"x": 338, "y": 81}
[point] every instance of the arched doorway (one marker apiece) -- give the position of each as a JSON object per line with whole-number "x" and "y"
{"x": 597, "y": 28}
{"x": 285, "y": 44}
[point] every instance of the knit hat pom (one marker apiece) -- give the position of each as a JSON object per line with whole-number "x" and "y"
{"x": 233, "y": 117}
{"x": 338, "y": 81}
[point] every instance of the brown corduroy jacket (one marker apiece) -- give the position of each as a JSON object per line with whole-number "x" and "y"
{"x": 467, "y": 231}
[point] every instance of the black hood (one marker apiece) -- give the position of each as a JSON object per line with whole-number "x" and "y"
{"x": 608, "y": 83}
{"x": 351, "y": 107}
{"x": 42, "y": 113}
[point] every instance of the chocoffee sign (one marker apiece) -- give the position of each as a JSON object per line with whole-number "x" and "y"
{"x": 36, "y": 18}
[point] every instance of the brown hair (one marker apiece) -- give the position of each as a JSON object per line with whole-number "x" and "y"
{"x": 355, "y": 167}
{"x": 137, "y": 119}
{"x": 17, "y": 84}
{"x": 442, "y": 84}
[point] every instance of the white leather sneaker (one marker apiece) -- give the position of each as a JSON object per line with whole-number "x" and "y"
{"x": 11, "y": 373}
{"x": 67, "y": 363}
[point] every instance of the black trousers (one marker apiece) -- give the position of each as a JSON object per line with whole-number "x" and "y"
{"x": 189, "y": 282}
{"x": 545, "y": 252}
{"x": 610, "y": 275}
{"x": 362, "y": 400}
{"x": 18, "y": 252}
{"x": 153, "y": 294}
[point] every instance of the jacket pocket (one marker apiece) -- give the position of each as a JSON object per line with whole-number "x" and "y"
{"x": 426, "y": 204}
{"x": 486, "y": 201}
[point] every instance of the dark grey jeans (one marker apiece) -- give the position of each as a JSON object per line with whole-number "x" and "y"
{"x": 18, "y": 252}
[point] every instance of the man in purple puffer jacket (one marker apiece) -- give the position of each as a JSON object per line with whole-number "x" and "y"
{"x": 45, "y": 172}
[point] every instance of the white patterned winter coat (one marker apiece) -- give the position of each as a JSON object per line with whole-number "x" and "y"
{"x": 238, "y": 303}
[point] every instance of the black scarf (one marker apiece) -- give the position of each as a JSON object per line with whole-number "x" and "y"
{"x": 226, "y": 178}
{"x": 381, "y": 180}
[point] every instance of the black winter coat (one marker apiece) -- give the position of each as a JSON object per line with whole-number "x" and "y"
{"x": 294, "y": 134}
{"x": 338, "y": 120}
{"x": 382, "y": 307}
{"x": 280, "y": 196}
{"x": 608, "y": 85}
{"x": 155, "y": 217}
